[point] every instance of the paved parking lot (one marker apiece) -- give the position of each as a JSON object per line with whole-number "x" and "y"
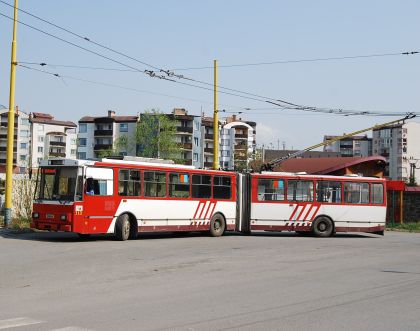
{"x": 266, "y": 281}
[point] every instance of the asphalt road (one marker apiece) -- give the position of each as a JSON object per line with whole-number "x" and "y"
{"x": 267, "y": 281}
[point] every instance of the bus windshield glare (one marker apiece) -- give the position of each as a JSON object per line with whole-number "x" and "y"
{"x": 60, "y": 183}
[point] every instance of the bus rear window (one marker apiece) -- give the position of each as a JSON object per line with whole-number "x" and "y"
{"x": 179, "y": 185}
{"x": 300, "y": 190}
{"x": 201, "y": 186}
{"x": 377, "y": 194}
{"x": 154, "y": 184}
{"x": 222, "y": 187}
{"x": 328, "y": 191}
{"x": 270, "y": 190}
{"x": 356, "y": 193}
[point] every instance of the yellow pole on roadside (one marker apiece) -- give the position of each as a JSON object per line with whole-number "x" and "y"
{"x": 10, "y": 127}
{"x": 215, "y": 123}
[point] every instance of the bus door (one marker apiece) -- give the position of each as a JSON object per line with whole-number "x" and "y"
{"x": 99, "y": 204}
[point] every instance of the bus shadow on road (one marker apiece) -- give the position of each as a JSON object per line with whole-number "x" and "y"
{"x": 73, "y": 237}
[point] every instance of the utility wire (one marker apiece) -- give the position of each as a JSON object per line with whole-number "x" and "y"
{"x": 81, "y": 37}
{"x": 301, "y": 60}
{"x": 277, "y": 102}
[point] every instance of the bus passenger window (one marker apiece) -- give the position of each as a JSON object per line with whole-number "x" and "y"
{"x": 154, "y": 184}
{"x": 129, "y": 183}
{"x": 221, "y": 187}
{"x": 356, "y": 193}
{"x": 270, "y": 190}
{"x": 328, "y": 191}
{"x": 201, "y": 186}
{"x": 377, "y": 193}
{"x": 300, "y": 190}
{"x": 179, "y": 185}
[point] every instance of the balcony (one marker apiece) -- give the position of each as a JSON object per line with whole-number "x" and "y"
{"x": 57, "y": 143}
{"x": 4, "y": 136}
{"x": 186, "y": 146}
{"x": 209, "y": 136}
{"x": 184, "y": 129}
{"x": 4, "y": 149}
{"x": 103, "y": 133}
{"x": 101, "y": 147}
{"x": 3, "y": 161}
{"x": 57, "y": 154}
{"x": 208, "y": 150}
{"x": 186, "y": 162}
{"x": 208, "y": 164}
{"x": 241, "y": 136}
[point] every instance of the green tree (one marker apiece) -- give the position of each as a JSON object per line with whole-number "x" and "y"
{"x": 155, "y": 136}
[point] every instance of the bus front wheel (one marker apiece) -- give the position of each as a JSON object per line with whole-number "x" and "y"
{"x": 217, "y": 225}
{"x": 323, "y": 227}
{"x": 122, "y": 227}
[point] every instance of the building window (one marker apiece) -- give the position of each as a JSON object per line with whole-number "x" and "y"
{"x": 41, "y": 127}
{"x": 123, "y": 127}
{"x": 195, "y": 157}
{"x": 73, "y": 152}
{"x": 24, "y": 133}
{"x": 82, "y": 142}
{"x": 23, "y": 157}
{"x": 23, "y": 145}
{"x": 226, "y": 153}
{"x": 41, "y": 139}
{"x": 82, "y": 128}
{"x": 73, "y": 141}
{"x": 40, "y": 149}
{"x": 24, "y": 121}
{"x": 195, "y": 141}
{"x": 81, "y": 155}
{"x": 197, "y": 126}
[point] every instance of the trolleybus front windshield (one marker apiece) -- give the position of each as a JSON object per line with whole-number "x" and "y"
{"x": 60, "y": 183}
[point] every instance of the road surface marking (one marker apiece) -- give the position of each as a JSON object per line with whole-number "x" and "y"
{"x": 15, "y": 322}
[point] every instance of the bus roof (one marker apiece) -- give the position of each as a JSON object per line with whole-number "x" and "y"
{"x": 302, "y": 175}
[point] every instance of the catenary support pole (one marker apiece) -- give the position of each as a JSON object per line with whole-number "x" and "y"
{"x": 215, "y": 123}
{"x": 10, "y": 127}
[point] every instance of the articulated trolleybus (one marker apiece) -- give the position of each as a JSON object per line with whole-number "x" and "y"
{"x": 132, "y": 195}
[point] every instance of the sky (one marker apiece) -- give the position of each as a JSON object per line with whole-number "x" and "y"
{"x": 187, "y": 34}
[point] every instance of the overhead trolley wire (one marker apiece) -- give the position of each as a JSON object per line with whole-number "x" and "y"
{"x": 333, "y": 58}
{"x": 247, "y": 95}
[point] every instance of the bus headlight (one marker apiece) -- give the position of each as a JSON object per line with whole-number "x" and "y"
{"x": 35, "y": 215}
{"x": 63, "y": 217}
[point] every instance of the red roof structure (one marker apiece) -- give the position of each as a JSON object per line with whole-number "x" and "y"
{"x": 368, "y": 166}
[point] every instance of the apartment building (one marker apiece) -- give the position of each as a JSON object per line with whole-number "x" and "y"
{"x": 399, "y": 145}
{"x": 188, "y": 136}
{"x": 50, "y": 138}
{"x": 350, "y": 147}
{"x": 21, "y": 141}
{"x": 99, "y": 134}
{"x": 244, "y": 144}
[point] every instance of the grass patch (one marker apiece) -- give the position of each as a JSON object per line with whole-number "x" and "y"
{"x": 408, "y": 227}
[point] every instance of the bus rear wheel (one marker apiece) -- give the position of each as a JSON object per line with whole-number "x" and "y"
{"x": 217, "y": 225}
{"x": 122, "y": 227}
{"x": 323, "y": 227}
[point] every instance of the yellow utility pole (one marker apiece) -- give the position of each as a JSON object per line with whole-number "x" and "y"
{"x": 11, "y": 127}
{"x": 215, "y": 123}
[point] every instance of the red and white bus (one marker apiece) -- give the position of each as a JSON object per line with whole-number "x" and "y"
{"x": 125, "y": 197}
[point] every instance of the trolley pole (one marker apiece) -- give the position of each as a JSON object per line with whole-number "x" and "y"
{"x": 215, "y": 123}
{"x": 11, "y": 126}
